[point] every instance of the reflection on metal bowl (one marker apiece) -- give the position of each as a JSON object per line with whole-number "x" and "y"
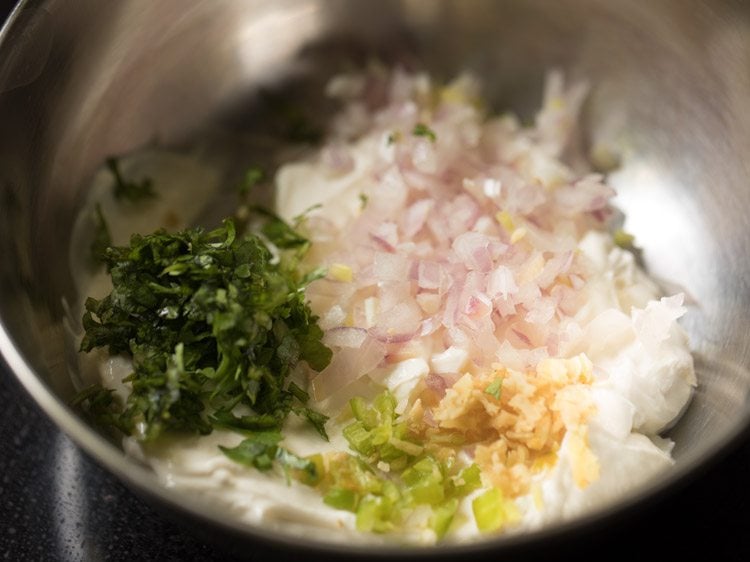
{"x": 81, "y": 82}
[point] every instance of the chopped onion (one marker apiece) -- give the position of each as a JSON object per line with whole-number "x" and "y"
{"x": 347, "y": 365}
{"x": 473, "y": 249}
{"x": 416, "y": 217}
{"x": 386, "y": 235}
{"x": 345, "y": 337}
{"x": 437, "y": 384}
{"x": 429, "y": 274}
{"x": 501, "y": 283}
{"x": 465, "y": 246}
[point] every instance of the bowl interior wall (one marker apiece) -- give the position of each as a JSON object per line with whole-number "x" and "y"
{"x": 670, "y": 89}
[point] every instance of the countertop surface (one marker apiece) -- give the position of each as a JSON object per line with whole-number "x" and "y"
{"x": 57, "y": 504}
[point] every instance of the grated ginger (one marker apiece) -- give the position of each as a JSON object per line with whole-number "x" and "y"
{"x": 519, "y": 433}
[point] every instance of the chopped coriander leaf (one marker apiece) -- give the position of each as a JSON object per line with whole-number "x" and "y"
{"x": 298, "y": 392}
{"x": 316, "y": 419}
{"x": 422, "y": 130}
{"x": 98, "y": 404}
{"x": 243, "y": 424}
{"x": 253, "y": 176}
{"x": 262, "y": 451}
{"x": 102, "y": 238}
{"x": 129, "y": 190}
{"x": 303, "y": 469}
{"x": 258, "y": 451}
{"x": 211, "y": 323}
{"x": 363, "y": 200}
{"x": 280, "y": 233}
{"x": 495, "y": 388}
{"x": 314, "y": 275}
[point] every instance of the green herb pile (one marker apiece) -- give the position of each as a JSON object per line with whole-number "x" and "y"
{"x": 214, "y": 324}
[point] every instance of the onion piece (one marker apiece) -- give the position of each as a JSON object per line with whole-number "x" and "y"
{"x": 429, "y": 274}
{"x": 588, "y": 194}
{"x": 347, "y": 365}
{"x": 337, "y": 159}
{"x": 473, "y": 250}
{"x": 385, "y": 235}
{"x": 344, "y": 336}
{"x": 416, "y": 217}
{"x": 501, "y": 283}
{"x": 437, "y": 384}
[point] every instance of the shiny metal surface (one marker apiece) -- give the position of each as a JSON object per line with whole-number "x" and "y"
{"x": 670, "y": 80}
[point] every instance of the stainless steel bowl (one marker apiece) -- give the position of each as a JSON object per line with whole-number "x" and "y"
{"x": 83, "y": 80}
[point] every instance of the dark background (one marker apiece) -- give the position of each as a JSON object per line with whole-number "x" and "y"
{"x": 57, "y": 504}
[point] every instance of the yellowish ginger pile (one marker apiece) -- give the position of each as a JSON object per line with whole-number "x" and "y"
{"x": 519, "y": 425}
